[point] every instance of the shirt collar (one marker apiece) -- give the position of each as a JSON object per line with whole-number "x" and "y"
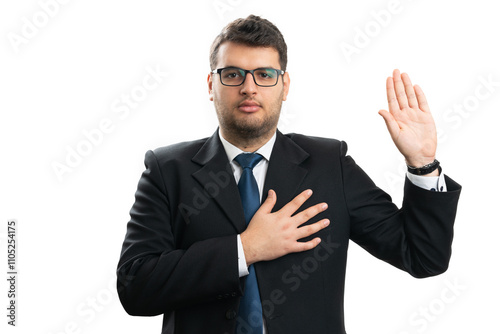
{"x": 232, "y": 151}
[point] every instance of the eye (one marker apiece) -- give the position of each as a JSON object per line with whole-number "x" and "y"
{"x": 266, "y": 73}
{"x": 232, "y": 73}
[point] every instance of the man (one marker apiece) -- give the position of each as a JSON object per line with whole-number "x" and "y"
{"x": 196, "y": 252}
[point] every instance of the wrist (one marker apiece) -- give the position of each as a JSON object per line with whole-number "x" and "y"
{"x": 418, "y": 162}
{"x": 429, "y": 169}
{"x": 249, "y": 254}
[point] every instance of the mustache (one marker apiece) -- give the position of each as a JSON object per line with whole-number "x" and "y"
{"x": 249, "y": 102}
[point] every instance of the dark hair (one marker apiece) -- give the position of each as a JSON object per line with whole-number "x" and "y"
{"x": 251, "y": 31}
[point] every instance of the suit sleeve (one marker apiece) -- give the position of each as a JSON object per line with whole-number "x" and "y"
{"x": 416, "y": 238}
{"x": 156, "y": 277}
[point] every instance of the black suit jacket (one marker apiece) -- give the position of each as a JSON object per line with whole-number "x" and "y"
{"x": 179, "y": 257}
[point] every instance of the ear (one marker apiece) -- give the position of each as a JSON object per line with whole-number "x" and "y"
{"x": 286, "y": 85}
{"x": 210, "y": 88}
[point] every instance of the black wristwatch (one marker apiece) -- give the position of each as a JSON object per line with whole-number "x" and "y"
{"x": 429, "y": 168}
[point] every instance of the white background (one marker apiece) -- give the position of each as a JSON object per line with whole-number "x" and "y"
{"x": 67, "y": 74}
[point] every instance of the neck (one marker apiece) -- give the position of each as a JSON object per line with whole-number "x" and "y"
{"x": 247, "y": 144}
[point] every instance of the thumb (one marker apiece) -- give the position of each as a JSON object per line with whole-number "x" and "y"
{"x": 269, "y": 203}
{"x": 390, "y": 122}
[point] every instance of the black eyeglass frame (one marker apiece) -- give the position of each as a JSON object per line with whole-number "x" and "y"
{"x": 219, "y": 70}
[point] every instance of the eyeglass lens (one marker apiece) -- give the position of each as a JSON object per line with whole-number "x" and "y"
{"x": 262, "y": 76}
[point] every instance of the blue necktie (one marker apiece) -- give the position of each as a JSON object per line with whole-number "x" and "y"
{"x": 250, "y": 309}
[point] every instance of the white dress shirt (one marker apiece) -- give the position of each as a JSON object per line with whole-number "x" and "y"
{"x": 259, "y": 172}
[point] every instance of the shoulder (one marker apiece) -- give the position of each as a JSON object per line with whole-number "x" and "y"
{"x": 320, "y": 145}
{"x": 177, "y": 152}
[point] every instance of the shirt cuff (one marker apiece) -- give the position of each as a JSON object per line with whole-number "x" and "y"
{"x": 242, "y": 263}
{"x": 432, "y": 183}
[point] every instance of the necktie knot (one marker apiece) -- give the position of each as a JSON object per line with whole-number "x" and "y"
{"x": 248, "y": 160}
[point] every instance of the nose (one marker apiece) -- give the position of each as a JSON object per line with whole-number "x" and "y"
{"x": 248, "y": 87}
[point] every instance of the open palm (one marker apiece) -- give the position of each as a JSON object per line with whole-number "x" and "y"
{"x": 409, "y": 120}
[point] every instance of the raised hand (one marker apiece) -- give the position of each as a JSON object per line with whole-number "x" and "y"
{"x": 272, "y": 235}
{"x": 409, "y": 120}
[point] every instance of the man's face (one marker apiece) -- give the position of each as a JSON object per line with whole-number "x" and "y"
{"x": 247, "y": 111}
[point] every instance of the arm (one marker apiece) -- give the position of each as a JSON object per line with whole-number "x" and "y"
{"x": 156, "y": 276}
{"x": 416, "y": 238}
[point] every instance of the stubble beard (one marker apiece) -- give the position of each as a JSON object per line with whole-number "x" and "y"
{"x": 248, "y": 129}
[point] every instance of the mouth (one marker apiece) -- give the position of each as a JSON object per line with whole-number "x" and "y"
{"x": 249, "y": 106}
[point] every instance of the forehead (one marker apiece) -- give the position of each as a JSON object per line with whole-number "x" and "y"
{"x": 247, "y": 57}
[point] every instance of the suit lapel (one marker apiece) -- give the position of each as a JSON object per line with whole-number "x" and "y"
{"x": 284, "y": 176}
{"x": 216, "y": 177}
{"x": 284, "y": 173}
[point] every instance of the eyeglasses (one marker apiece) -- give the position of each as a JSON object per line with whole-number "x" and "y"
{"x": 234, "y": 76}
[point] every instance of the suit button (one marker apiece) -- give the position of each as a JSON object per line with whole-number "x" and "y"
{"x": 233, "y": 294}
{"x": 230, "y": 314}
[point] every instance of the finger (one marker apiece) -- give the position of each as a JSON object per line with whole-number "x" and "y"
{"x": 422, "y": 101}
{"x": 391, "y": 95}
{"x": 410, "y": 92}
{"x": 400, "y": 90}
{"x": 305, "y": 246}
{"x": 269, "y": 203}
{"x": 303, "y": 216}
{"x": 308, "y": 230}
{"x": 292, "y": 206}
{"x": 390, "y": 122}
